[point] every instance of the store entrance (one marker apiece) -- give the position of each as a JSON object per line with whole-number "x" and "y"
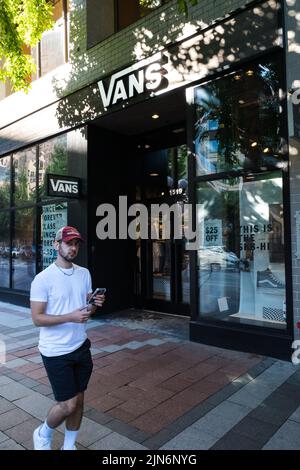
{"x": 163, "y": 260}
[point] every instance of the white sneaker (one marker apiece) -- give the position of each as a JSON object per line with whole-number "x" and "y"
{"x": 39, "y": 442}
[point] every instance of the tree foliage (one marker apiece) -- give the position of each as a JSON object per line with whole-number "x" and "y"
{"x": 22, "y": 23}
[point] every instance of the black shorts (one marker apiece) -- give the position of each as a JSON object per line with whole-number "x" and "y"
{"x": 70, "y": 373}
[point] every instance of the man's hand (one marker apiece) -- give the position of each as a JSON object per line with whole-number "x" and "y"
{"x": 97, "y": 302}
{"x": 80, "y": 315}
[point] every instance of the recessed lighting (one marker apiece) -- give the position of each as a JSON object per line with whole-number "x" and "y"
{"x": 154, "y": 174}
{"x": 155, "y": 116}
{"x": 254, "y": 144}
{"x": 237, "y": 77}
{"x": 249, "y": 73}
{"x": 266, "y": 150}
{"x": 147, "y": 146}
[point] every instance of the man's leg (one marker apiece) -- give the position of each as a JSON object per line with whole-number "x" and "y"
{"x": 58, "y": 413}
{"x": 73, "y": 421}
{"x": 72, "y": 424}
{"x": 61, "y": 411}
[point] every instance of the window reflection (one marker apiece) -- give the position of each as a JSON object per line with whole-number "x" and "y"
{"x": 165, "y": 173}
{"x": 4, "y": 249}
{"x": 53, "y": 159}
{"x": 161, "y": 253}
{"x": 24, "y": 163}
{"x": 53, "y": 42}
{"x": 5, "y": 182}
{"x": 238, "y": 121}
{"x": 23, "y": 249}
{"x": 241, "y": 270}
{"x": 52, "y": 49}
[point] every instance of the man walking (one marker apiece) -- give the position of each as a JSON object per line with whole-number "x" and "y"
{"x": 59, "y": 296}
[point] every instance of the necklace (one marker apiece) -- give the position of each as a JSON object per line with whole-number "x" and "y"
{"x": 61, "y": 270}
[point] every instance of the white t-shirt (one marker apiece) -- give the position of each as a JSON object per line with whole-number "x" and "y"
{"x": 63, "y": 294}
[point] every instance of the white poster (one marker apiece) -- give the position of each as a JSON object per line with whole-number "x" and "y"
{"x": 54, "y": 217}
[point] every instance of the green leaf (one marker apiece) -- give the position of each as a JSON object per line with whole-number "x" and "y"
{"x": 22, "y": 23}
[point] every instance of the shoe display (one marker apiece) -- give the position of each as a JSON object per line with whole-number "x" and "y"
{"x": 267, "y": 279}
{"x": 39, "y": 442}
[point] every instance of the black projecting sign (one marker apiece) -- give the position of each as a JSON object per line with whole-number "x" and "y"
{"x": 63, "y": 186}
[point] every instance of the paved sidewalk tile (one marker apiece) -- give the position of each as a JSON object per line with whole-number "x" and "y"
{"x": 286, "y": 438}
{"x": 12, "y": 418}
{"x": 14, "y": 391}
{"x": 152, "y": 390}
{"x": 115, "y": 441}
{"x": 35, "y": 404}
{"x": 10, "y": 444}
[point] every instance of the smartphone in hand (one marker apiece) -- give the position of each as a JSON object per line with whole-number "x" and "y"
{"x": 98, "y": 291}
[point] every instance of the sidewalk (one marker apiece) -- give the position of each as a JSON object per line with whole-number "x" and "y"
{"x": 152, "y": 390}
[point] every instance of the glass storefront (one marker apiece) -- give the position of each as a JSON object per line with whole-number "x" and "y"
{"x": 29, "y": 218}
{"x": 240, "y": 164}
{"x": 4, "y": 248}
{"x": 238, "y": 121}
{"x": 23, "y": 249}
{"x": 5, "y": 176}
{"x": 241, "y": 270}
{"x": 166, "y": 260}
{"x": 24, "y": 165}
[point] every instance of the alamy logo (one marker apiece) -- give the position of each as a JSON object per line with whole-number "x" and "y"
{"x": 295, "y": 356}
{"x": 146, "y": 75}
{"x": 296, "y": 96}
{"x": 114, "y": 223}
{"x": 64, "y": 186}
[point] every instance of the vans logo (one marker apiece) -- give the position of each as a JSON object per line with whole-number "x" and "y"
{"x": 146, "y": 76}
{"x": 63, "y": 186}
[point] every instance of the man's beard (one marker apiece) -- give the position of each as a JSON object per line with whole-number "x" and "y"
{"x": 67, "y": 258}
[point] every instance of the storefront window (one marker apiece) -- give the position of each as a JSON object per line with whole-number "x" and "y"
{"x": 238, "y": 121}
{"x": 23, "y": 250}
{"x": 241, "y": 270}
{"x": 28, "y": 223}
{"x": 24, "y": 163}
{"x": 4, "y": 182}
{"x": 53, "y": 158}
{"x": 4, "y": 248}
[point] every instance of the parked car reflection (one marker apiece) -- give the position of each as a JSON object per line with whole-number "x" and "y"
{"x": 216, "y": 258}
{"x": 26, "y": 252}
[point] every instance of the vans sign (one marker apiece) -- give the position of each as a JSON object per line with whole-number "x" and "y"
{"x": 62, "y": 186}
{"x": 146, "y": 76}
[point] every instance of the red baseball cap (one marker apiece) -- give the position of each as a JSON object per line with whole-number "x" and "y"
{"x": 65, "y": 234}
